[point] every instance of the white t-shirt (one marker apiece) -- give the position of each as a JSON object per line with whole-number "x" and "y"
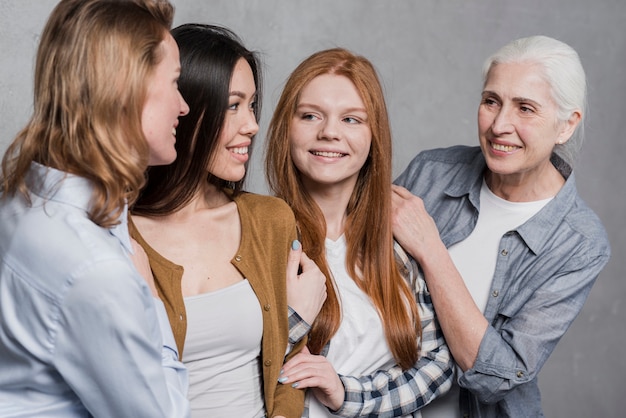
{"x": 359, "y": 347}
{"x": 475, "y": 258}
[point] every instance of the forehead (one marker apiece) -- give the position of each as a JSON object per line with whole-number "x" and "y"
{"x": 325, "y": 85}
{"x": 523, "y": 79}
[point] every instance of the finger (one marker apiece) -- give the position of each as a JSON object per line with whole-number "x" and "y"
{"x": 293, "y": 261}
{"x": 306, "y": 263}
{"x": 401, "y": 191}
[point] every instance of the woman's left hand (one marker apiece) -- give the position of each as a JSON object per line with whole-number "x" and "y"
{"x": 306, "y": 370}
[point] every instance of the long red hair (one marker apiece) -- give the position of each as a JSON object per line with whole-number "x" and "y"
{"x": 370, "y": 259}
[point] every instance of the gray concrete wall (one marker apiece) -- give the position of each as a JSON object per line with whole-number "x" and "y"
{"x": 429, "y": 54}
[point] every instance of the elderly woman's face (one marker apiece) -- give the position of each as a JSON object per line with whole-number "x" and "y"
{"x": 517, "y": 121}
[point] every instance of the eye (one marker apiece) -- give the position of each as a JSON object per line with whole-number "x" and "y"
{"x": 351, "y": 120}
{"x": 308, "y": 116}
{"x": 233, "y": 106}
{"x": 526, "y": 109}
{"x": 489, "y": 101}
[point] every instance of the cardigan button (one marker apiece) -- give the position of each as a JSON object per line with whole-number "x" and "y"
{"x": 495, "y": 293}
{"x": 268, "y": 363}
{"x": 520, "y": 374}
{"x": 238, "y": 258}
{"x": 504, "y": 252}
{"x": 267, "y": 307}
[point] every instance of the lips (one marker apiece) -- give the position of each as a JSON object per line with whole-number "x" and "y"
{"x": 328, "y": 154}
{"x": 503, "y": 148}
{"x": 239, "y": 150}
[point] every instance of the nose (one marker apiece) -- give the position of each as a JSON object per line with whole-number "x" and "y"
{"x": 184, "y": 107}
{"x": 250, "y": 126}
{"x": 329, "y": 130}
{"x": 502, "y": 121}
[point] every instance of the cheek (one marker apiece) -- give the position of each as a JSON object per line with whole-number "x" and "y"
{"x": 484, "y": 121}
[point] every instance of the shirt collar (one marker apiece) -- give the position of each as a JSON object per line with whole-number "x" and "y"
{"x": 538, "y": 229}
{"x": 59, "y": 186}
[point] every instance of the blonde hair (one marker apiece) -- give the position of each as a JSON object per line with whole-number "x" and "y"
{"x": 370, "y": 259}
{"x": 91, "y": 72}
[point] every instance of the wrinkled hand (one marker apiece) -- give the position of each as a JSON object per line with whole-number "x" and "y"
{"x": 306, "y": 370}
{"x": 142, "y": 264}
{"x": 306, "y": 292}
{"x": 413, "y": 228}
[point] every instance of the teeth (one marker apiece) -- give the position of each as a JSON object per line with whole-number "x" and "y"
{"x": 239, "y": 150}
{"x": 504, "y": 148}
{"x": 174, "y": 131}
{"x": 327, "y": 154}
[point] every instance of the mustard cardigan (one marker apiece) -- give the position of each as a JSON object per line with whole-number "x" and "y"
{"x": 267, "y": 230}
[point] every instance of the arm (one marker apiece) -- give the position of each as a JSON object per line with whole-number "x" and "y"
{"x": 114, "y": 346}
{"x": 498, "y": 357}
{"x": 463, "y": 324}
{"x": 306, "y": 285}
{"x": 515, "y": 348}
{"x": 385, "y": 393}
{"x": 306, "y": 293}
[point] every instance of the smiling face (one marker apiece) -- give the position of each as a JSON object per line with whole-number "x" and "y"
{"x": 518, "y": 124}
{"x": 239, "y": 127}
{"x": 164, "y": 104}
{"x": 330, "y": 136}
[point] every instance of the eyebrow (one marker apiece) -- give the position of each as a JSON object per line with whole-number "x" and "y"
{"x": 240, "y": 94}
{"x": 349, "y": 110}
{"x": 515, "y": 99}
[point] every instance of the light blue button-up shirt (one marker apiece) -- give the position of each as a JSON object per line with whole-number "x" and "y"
{"x": 80, "y": 333}
{"x": 544, "y": 272}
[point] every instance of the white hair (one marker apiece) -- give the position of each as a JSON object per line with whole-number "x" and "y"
{"x": 564, "y": 73}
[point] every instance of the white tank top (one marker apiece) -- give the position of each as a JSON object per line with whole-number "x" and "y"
{"x": 222, "y": 353}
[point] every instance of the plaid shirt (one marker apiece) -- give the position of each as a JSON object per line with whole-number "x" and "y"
{"x": 393, "y": 392}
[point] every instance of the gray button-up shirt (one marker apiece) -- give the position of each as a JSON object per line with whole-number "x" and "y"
{"x": 544, "y": 272}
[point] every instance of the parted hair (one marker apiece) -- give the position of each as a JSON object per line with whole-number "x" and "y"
{"x": 93, "y": 64}
{"x": 370, "y": 259}
{"x": 208, "y": 56}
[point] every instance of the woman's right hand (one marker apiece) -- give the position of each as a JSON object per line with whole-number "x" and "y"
{"x": 306, "y": 370}
{"x": 306, "y": 292}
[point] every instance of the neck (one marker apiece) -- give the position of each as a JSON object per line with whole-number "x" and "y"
{"x": 526, "y": 187}
{"x": 333, "y": 202}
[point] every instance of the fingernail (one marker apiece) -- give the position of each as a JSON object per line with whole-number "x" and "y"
{"x": 282, "y": 379}
{"x": 295, "y": 245}
{"x": 295, "y": 385}
{"x": 281, "y": 371}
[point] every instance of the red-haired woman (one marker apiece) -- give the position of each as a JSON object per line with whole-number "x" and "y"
{"x": 375, "y": 350}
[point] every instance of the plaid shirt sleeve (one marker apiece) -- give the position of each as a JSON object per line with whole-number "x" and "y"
{"x": 393, "y": 392}
{"x": 298, "y": 329}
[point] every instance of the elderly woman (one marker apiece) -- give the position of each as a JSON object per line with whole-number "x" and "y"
{"x": 508, "y": 248}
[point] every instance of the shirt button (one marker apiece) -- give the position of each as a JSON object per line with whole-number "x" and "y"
{"x": 267, "y": 307}
{"x": 504, "y": 252}
{"x": 181, "y": 317}
{"x": 238, "y": 258}
{"x": 268, "y": 363}
{"x": 495, "y": 293}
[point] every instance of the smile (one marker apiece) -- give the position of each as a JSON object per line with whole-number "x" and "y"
{"x": 239, "y": 150}
{"x": 328, "y": 154}
{"x": 503, "y": 148}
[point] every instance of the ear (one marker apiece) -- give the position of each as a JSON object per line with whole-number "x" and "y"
{"x": 569, "y": 126}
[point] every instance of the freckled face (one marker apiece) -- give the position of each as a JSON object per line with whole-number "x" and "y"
{"x": 330, "y": 135}
{"x": 517, "y": 121}
{"x": 164, "y": 104}
{"x": 239, "y": 126}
